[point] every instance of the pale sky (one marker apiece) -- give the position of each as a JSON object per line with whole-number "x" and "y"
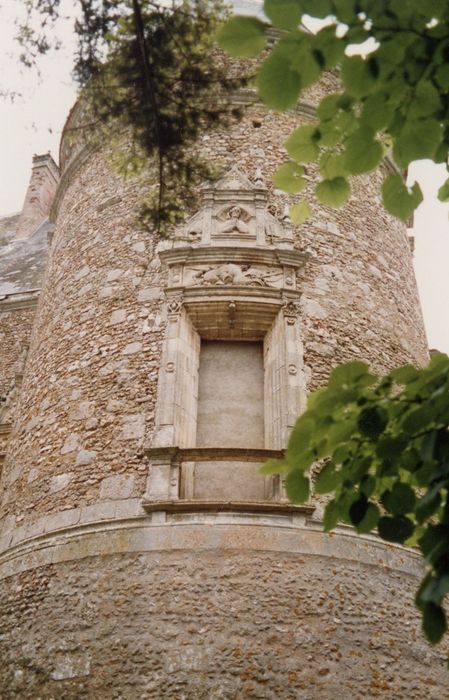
{"x": 33, "y": 124}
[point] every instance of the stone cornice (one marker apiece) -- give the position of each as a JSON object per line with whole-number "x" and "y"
{"x": 19, "y": 300}
{"x": 196, "y": 506}
{"x": 124, "y": 527}
{"x": 212, "y": 254}
{"x": 215, "y": 454}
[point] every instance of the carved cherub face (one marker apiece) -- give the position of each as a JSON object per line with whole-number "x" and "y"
{"x": 235, "y": 213}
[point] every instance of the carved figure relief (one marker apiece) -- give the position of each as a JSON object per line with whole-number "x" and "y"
{"x": 232, "y": 274}
{"x": 236, "y": 220}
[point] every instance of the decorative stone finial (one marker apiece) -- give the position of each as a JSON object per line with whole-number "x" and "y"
{"x": 258, "y": 179}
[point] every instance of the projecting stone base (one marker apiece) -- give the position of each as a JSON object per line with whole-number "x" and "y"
{"x": 213, "y": 607}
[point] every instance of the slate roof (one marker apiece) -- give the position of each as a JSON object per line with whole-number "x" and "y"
{"x": 22, "y": 262}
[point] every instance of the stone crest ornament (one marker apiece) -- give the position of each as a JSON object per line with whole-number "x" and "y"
{"x": 235, "y": 212}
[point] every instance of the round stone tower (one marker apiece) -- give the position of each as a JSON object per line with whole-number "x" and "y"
{"x": 144, "y": 556}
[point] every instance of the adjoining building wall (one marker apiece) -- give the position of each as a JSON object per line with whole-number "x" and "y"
{"x": 39, "y": 196}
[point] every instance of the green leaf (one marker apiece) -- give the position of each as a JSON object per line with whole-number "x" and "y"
{"x": 284, "y": 14}
{"x": 333, "y": 193}
{"x": 340, "y": 432}
{"x": 302, "y": 144}
{"x": 362, "y": 152}
{"x": 297, "y": 487}
{"x": 300, "y": 212}
{"x": 328, "y": 479}
{"x": 443, "y": 192}
{"x": 299, "y": 452}
{"x": 419, "y": 417}
{"x": 432, "y": 589}
{"x": 298, "y": 50}
{"x": 274, "y": 466}
{"x": 328, "y": 107}
{"x": 370, "y": 519}
{"x": 396, "y": 529}
{"x": 405, "y": 374}
{"x": 391, "y": 447}
{"x": 317, "y": 8}
{"x": 357, "y": 76}
{"x": 434, "y": 622}
{"x": 331, "y": 516}
{"x": 434, "y": 543}
{"x": 289, "y": 178}
{"x": 426, "y": 100}
{"x": 418, "y": 139}
{"x": 428, "y": 504}
{"x": 368, "y": 485}
{"x": 442, "y": 76}
{"x": 347, "y": 498}
{"x": 358, "y": 509}
{"x": 372, "y": 422}
{"x": 377, "y": 112}
{"x": 329, "y": 46}
{"x": 278, "y": 82}
{"x": 400, "y": 200}
{"x": 242, "y": 36}
{"x": 345, "y": 10}
{"x": 400, "y": 500}
{"x": 332, "y": 165}
{"x": 347, "y": 374}
{"x": 329, "y": 133}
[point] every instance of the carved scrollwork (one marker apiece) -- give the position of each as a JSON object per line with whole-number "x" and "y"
{"x": 291, "y": 311}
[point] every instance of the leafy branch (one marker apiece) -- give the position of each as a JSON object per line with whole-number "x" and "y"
{"x": 385, "y": 442}
{"x": 396, "y": 94}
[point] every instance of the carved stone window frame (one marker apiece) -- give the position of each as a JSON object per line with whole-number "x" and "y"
{"x": 249, "y": 310}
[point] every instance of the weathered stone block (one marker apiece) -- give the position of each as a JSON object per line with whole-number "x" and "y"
{"x": 133, "y": 427}
{"x": 117, "y": 486}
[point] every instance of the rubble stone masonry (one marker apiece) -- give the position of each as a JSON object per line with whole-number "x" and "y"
{"x": 104, "y": 599}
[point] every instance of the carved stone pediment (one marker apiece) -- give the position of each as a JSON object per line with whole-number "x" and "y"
{"x": 235, "y": 212}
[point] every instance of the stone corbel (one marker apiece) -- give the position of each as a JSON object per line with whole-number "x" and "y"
{"x": 163, "y": 476}
{"x": 291, "y": 310}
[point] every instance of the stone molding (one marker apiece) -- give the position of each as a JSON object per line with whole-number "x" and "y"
{"x": 205, "y": 454}
{"x": 166, "y": 530}
{"x": 19, "y": 300}
{"x": 197, "y": 506}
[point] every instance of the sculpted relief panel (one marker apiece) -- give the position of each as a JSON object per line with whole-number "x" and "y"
{"x": 235, "y": 212}
{"x": 235, "y": 275}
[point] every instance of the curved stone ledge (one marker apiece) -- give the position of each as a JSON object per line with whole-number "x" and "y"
{"x": 291, "y": 533}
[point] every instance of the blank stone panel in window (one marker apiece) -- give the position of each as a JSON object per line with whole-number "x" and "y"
{"x": 230, "y": 414}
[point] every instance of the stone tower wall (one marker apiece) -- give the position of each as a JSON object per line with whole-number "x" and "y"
{"x": 163, "y": 591}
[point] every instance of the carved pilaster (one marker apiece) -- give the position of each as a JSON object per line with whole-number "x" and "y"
{"x": 174, "y": 307}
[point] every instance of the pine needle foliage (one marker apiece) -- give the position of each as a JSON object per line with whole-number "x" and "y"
{"x": 146, "y": 69}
